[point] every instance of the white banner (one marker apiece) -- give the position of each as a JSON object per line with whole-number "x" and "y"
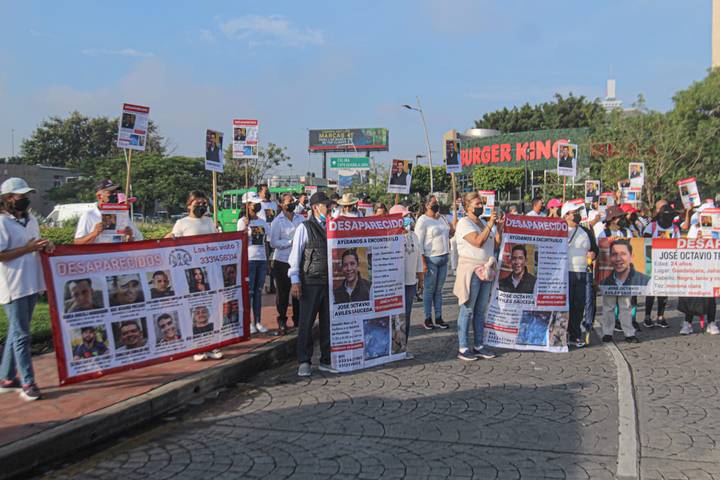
{"x": 367, "y": 284}
{"x": 529, "y": 304}
{"x": 686, "y": 267}
{"x": 116, "y": 307}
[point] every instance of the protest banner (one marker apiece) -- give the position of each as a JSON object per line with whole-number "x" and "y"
{"x": 567, "y": 159}
{"x": 245, "y": 138}
{"x": 710, "y": 222}
{"x": 529, "y": 304}
{"x": 592, "y": 191}
{"x": 365, "y": 208}
{"x": 487, "y": 198}
{"x": 400, "y": 177}
{"x": 367, "y": 305}
{"x": 119, "y": 307}
{"x": 636, "y": 174}
{"x": 452, "y": 157}
{"x": 607, "y": 199}
{"x": 115, "y": 219}
{"x": 686, "y": 267}
{"x": 631, "y": 195}
{"x": 624, "y": 266}
{"x": 689, "y": 193}
{"x": 132, "y": 129}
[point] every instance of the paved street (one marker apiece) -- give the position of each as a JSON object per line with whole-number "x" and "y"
{"x": 523, "y": 415}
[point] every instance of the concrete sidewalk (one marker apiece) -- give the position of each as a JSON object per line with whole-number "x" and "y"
{"x": 73, "y": 417}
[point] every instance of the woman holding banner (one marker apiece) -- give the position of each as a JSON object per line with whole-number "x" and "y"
{"x": 196, "y": 223}
{"x": 434, "y": 233}
{"x": 476, "y": 243}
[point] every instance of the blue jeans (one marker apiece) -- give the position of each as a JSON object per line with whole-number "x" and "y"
{"x": 258, "y": 271}
{"x": 17, "y": 346}
{"x": 409, "y": 299}
{"x": 473, "y": 311}
{"x": 578, "y": 303}
{"x": 434, "y": 281}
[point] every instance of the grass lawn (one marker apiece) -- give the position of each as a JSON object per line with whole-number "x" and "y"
{"x": 40, "y": 327}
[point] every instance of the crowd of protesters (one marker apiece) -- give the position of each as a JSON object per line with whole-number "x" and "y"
{"x": 287, "y": 249}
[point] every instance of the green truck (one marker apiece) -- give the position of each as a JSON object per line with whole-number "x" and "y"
{"x": 231, "y": 208}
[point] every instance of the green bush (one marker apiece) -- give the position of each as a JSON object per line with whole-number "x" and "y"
{"x": 40, "y": 328}
{"x": 66, "y": 234}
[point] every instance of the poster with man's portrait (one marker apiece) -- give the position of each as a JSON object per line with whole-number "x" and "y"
{"x": 567, "y": 159}
{"x": 400, "y": 177}
{"x": 636, "y": 174}
{"x": 352, "y": 275}
{"x": 452, "y": 157}
{"x": 592, "y": 191}
{"x": 214, "y": 151}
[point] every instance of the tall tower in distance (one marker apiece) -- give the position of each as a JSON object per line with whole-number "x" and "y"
{"x": 715, "y": 34}
{"x": 611, "y": 102}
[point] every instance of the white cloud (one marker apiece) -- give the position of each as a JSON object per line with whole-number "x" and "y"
{"x": 270, "y": 30}
{"x": 207, "y": 36}
{"x": 123, "y": 52}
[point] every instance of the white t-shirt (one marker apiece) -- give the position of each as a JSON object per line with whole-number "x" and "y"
{"x": 188, "y": 226}
{"x": 533, "y": 213}
{"x": 413, "y": 258}
{"x": 21, "y": 276}
{"x": 268, "y": 210}
{"x": 592, "y": 214}
{"x": 434, "y": 235}
{"x": 627, "y": 233}
{"x": 578, "y": 248}
{"x": 282, "y": 232}
{"x": 654, "y": 230}
{"x": 466, "y": 226}
{"x": 256, "y": 237}
{"x": 92, "y": 217}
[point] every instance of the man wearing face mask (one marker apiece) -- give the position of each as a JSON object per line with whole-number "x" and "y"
{"x": 308, "y": 274}
{"x": 282, "y": 231}
{"x": 348, "y": 203}
{"x": 301, "y": 208}
{"x": 90, "y": 224}
{"x": 21, "y": 280}
{"x": 662, "y": 226}
{"x": 615, "y": 225}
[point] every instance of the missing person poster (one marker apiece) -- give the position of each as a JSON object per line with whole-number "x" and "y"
{"x": 400, "y": 177}
{"x": 120, "y": 307}
{"x": 452, "y": 157}
{"x": 214, "y": 151}
{"x": 710, "y": 222}
{"x": 607, "y": 199}
{"x": 529, "y": 304}
{"x": 624, "y": 266}
{"x": 132, "y": 130}
{"x": 487, "y": 198}
{"x": 367, "y": 284}
{"x": 567, "y": 159}
{"x": 636, "y": 174}
{"x": 686, "y": 267}
{"x": 592, "y": 191}
{"x": 631, "y": 195}
{"x": 689, "y": 193}
{"x": 115, "y": 219}
{"x": 245, "y": 138}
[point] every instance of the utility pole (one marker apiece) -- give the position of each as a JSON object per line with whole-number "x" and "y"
{"x": 12, "y": 140}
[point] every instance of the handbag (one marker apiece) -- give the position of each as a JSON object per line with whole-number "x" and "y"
{"x": 487, "y": 271}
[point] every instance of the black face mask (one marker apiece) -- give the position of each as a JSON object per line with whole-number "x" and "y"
{"x": 199, "y": 210}
{"x": 21, "y": 205}
{"x": 577, "y": 218}
{"x": 435, "y": 208}
{"x": 256, "y": 207}
{"x": 290, "y": 207}
{"x": 623, "y": 223}
{"x": 665, "y": 219}
{"x": 478, "y": 211}
{"x": 633, "y": 217}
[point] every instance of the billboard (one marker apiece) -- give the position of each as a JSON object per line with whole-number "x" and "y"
{"x": 349, "y": 140}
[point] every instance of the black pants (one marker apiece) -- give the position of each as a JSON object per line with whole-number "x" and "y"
{"x": 282, "y": 298}
{"x": 649, "y": 301}
{"x": 314, "y": 301}
{"x": 578, "y": 294}
{"x": 710, "y": 312}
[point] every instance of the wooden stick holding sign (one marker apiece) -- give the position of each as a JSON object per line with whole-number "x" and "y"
{"x": 454, "y": 195}
{"x": 128, "y": 161}
{"x": 214, "y": 198}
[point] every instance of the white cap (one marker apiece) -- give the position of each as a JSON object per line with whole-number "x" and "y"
{"x": 15, "y": 185}
{"x": 251, "y": 197}
{"x": 569, "y": 207}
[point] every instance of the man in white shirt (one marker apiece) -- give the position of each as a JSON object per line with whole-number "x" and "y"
{"x": 90, "y": 225}
{"x": 579, "y": 252}
{"x": 282, "y": 231}
{"x": 537, "y": 208}
{"x": 348, "y": 204}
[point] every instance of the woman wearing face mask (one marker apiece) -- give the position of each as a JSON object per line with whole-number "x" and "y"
{"x": 476, "y": 243}
{"x": 615, "y": 225}
{"x": 196, "y": 223}
{"x": 434, "y": 233}
{"x": 21, "y": 281}
{"x": 257, "y": 254}
{"x": 414, "y": 274}
{"x": 662, "y": 226}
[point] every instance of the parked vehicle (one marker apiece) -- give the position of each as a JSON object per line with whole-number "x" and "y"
{"x": 63, "y": 213}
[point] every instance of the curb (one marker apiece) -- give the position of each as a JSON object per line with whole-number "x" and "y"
{"x": 51, "y": 445}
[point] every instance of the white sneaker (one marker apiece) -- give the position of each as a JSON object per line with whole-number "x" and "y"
{"x": 199, "y": 357}
{"x": 261, "y": 328}
{"x": 713, "y": 329}
{"x": 215, "y": 354}
{"x": 304, "y": 370}
{"x": 327, "y": 368}
{"x": 686, "y": 329}
{"x": 409, "y": 356}
{"x": 253, "y": 328}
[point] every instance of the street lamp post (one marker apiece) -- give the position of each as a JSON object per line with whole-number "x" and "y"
{"x": 427, "y": 139}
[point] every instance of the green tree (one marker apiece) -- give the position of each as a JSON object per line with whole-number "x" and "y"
{"x": 569, "y": 112}
{"x": 499, "y": 179}
{"x": 77, "y": 142}
{"x": 421, "y": 180}
{"x": 269, "y": 158}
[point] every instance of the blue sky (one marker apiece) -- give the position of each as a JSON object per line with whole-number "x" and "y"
{"x": 336, "y": 64}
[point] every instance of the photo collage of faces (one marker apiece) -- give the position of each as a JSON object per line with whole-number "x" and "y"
{"x": 113, "y": 320}
{"x": 384, "y": 336}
